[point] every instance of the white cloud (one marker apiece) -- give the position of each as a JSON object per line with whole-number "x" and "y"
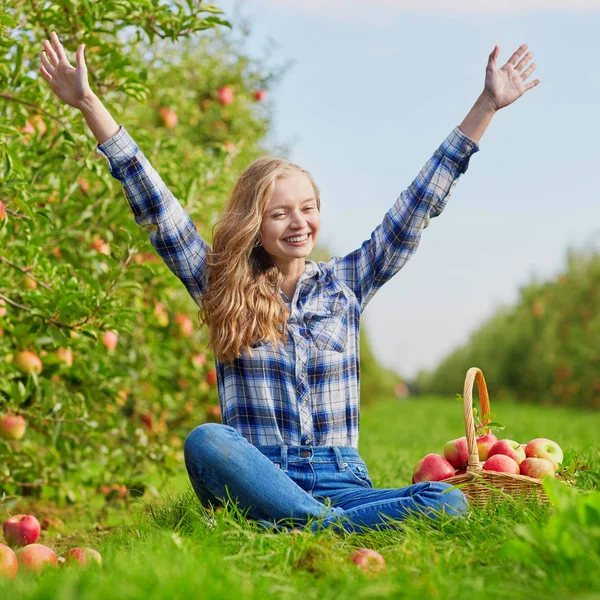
{"x": 350, "y": 9}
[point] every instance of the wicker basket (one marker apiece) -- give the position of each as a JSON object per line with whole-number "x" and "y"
{"x": 481, "y": 486}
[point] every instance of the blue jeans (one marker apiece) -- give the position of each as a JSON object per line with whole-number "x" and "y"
{"x": 308, "y": 486}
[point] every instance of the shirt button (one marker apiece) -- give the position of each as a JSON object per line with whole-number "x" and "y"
{"x": 305, "y": 454}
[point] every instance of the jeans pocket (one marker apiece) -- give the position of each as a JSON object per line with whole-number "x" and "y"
{"x": 359, "y": 474}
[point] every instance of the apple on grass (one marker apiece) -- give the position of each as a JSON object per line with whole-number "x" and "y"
{"x": 432, "y": 467}
{"x": 21, "y": 530}
{"x": 508, "y": 448}
{"x": 82, "y": 557}
{"x": 12, "y": 427}
{"x": 8, "y": 562}
{"x": 538, "y": 468}
{"x": 456, "y": 452}
{"x": 545, "y": 448}
{"x": 36, "y": 557}
{"x": 368, "y": 560}
{"x": 501, "y": 464}
{"x": 484, "y": 444}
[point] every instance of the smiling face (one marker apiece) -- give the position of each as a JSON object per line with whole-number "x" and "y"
{"x": 291, "y": 222}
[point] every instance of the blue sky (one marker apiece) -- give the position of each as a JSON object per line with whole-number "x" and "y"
{"x": 376, "y": 87}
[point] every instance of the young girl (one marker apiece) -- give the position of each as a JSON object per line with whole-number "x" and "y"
{"x": 284, "y": 329}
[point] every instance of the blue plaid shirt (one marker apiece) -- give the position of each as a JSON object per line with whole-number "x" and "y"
{"x": 305, "y": 392}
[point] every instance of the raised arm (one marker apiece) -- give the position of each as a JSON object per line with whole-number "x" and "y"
{"x": 172, "y": 232}
{"x": 396, "y": 239}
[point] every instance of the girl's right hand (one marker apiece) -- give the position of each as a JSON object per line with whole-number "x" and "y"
{"x": 70, "y": 84}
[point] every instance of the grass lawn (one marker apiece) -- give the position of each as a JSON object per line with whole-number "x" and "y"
{"x": 179, "y": 550}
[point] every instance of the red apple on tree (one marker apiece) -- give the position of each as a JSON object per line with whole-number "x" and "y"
{"x": 20, "y": 530}
{"x": 537, "y": 468}
{"x": 225, "y": 95}
{"x": 110, "y": 340}
{"x": 65, "y": 355}
{"x": 508, "y": 448}
{"x": 199, "y": 359}
{"x": 368, "y": 560}
{"x": 456, "y": 452}
{"x": 545, "y": 448}
{"x": 484, "y": 444}
{"x": 168, "y": 117}
{"x": 2, "y": 211}
{"x": 432, "y": 467}
{"x": 211, "y": 377}
{"x": 28, "y": 362}
{"x": 186, "y": 325}
{"x": 12, "y": 427}
{"x": 2, "y": 303}
{"x": 36, "y": 557}
{"x": 8, "y": 562}
{"x": 501, "y": 464}
{"x": 260, "y": 95}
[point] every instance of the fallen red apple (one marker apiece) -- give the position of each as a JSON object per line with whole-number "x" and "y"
{"x": 36, "y": 557}
{"x": 484, "y": 443}
{"x": 28, "y": 362}
{"x": 368, "y": 560}
{"x": 9, "y": 565}
{"x": 501, "y": 464}
{"x": 21, "y": 530}
{"x": 537, "y": 468}
{"x": 456, "y": 452}
{"x": 432, "y": 467}
{"x": 82, "y": 556}
{"x": 225, "y": 95}
{"x": 12, "y": 427}
{"x": 110, "y": 340}
{"x": 545, "y": 448}
{"x": 508, "y": 448}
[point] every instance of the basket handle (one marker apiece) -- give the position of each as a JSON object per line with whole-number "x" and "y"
{"x": 474, "y": 375}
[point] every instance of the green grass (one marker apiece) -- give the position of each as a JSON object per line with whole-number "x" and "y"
{"x": 176, "y": 549}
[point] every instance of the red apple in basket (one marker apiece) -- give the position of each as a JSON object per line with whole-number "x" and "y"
{"x": 544, "y": 448}
{"x": 456, "y": 452}
{"x": 432, "y": 467}
{"x": 508, "y": 448}
{"x": 502, "y": 464}
{"x": 484, "y": 444}
{"x": 537, "y": 468}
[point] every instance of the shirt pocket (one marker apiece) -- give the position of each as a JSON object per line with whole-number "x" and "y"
{"x": 329, "y": 325}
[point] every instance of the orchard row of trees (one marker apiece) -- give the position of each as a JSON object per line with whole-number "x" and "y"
{"x": 103, "y": 368}
{"x": 546, "y": 349}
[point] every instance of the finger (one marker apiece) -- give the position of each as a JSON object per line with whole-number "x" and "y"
{"x": 58, "y": 47}
{"x": 532, "y": 84}
{"x": 521, "y": 64}
{"x": 80, "y": 58}
{"x": 493, "y": 57}
{"x": 529, "y": 71}
{"x": 514, "y": 59}
{"x": 46, "y": 75}
{"x": 47, "y": 65}
{"x": 51, "y": 54}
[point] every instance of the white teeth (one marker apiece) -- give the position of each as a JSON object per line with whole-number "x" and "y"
{"x": 297, "y": 239}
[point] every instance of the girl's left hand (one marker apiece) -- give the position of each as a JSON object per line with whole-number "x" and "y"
{"x": 504, "y": 86}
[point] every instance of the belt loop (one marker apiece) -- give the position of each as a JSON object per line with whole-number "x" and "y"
{"x": 284, "y": 457}
{"x": 338, "y": 456}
